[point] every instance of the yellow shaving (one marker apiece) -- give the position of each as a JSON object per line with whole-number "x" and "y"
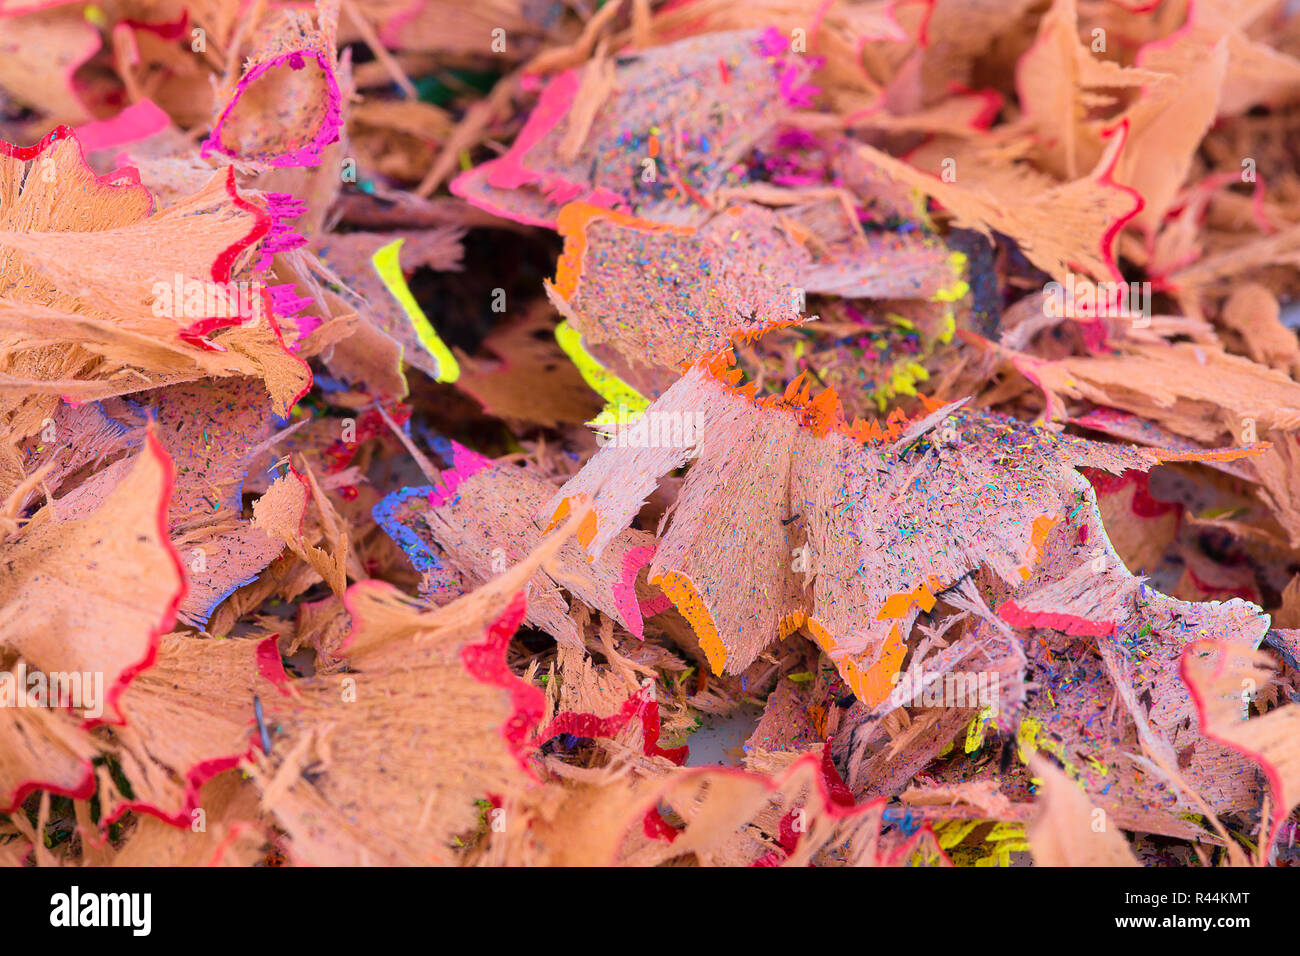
{"x": 603, "y": 382}
{"x": 1003, "y": 840}
{"x": 790, "y": 623}
{"x": 905, "y": 375}
{"x": 978, "y": 727}
{"x": 873, "y": 685}
{"x": 1028, "y": 742}
{"x": 952, "y": 832}
{"x": 878, "y": 681}
{"x": 995, "y": 850}
{"x": 959, "y": 287}
{"x": 389, "y": 268}
{"x": 949, "y": 327}
{"x": 678, "y": 588}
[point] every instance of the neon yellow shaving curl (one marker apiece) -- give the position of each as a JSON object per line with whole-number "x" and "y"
{"x": 603, "y": 382}
{"x": 388, "y": 266}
